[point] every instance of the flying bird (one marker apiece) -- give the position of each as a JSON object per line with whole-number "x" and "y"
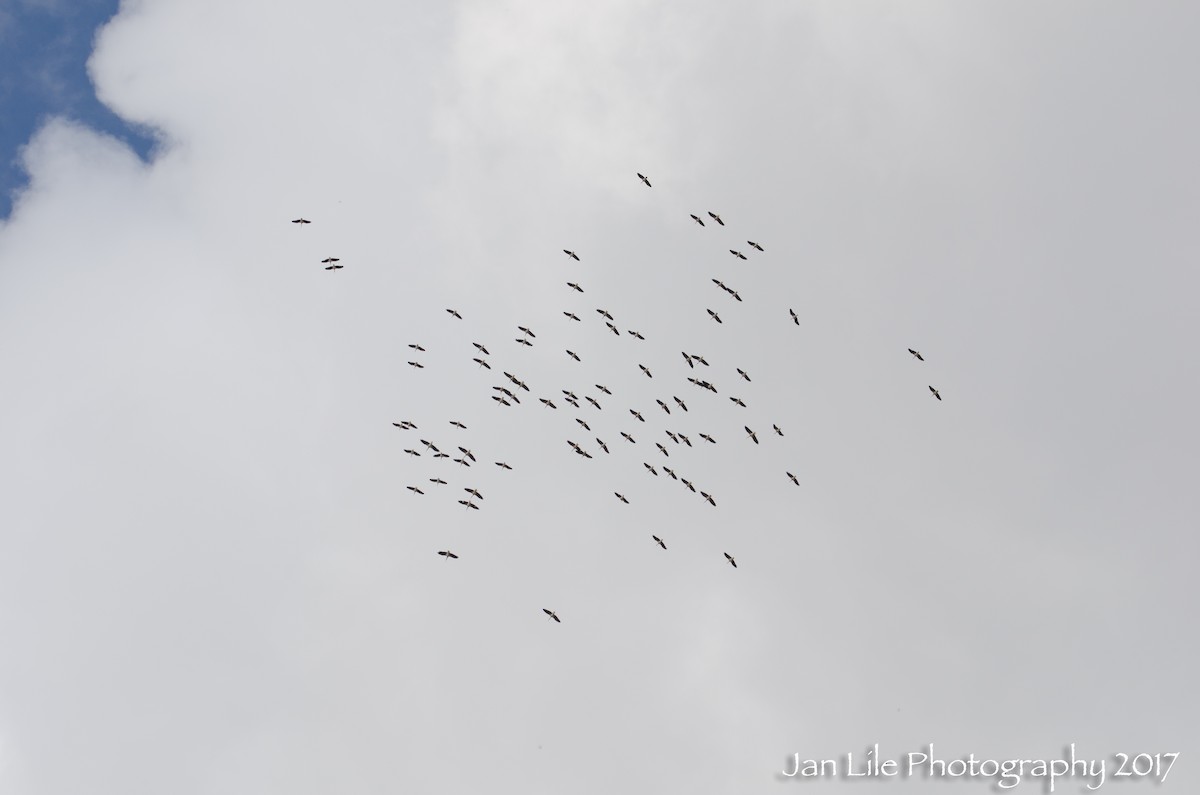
{"x": 482, "y": 349}
{"x": 708, "y": 438}
{"x": 414, "y": 488}
{"x": 670, "y": 472}
{"x": 458, "y": 424}
{"x": 439, "y": 481}
{"x": 592, "y": 400}
{"x": 448, "y": 555}
{"x": 462, "y": 462}
{"x": 637, "y": 414}
{"x": 552, "y": 614}
{"x": 482, "y": 363}
{"x": 777, "y": 430}
{"x": 755, "y": 245}
{"x": 686, "y": 440}
{"x": 467, "y": 453}
{"x": 612, "y": 328}
{"x": 751, "y": 434}
{"x": 527, "y": 331}
{"x": 418, "y": 365}
{"x": 682, "y": 405}
{"x": 729, "y": 558}
{"x": 571, "y": 254}
{"x": 742, "y": 373}
{"x": 548, "y": 403}
{"x": 700, "y": 359}
{"x": 474, "y": 493}
{"x": 603, "y": 446}
{"x": 662, "y": 405}
{"x": 573, "y": 355}
{"x": 412, "y": 453}
{"x": 936, "y": 394}
{"x": 715, "y": 217}
{"x": 643, "y": 179}
{"x": 635, "y": 334}
{"x": 662, "y": 449}
{"x": 793, "y": 477}
{"x": 302, "y": 221}
{"x": 688, "y": 359}
{"x": 738, "y": 401}
{"x": 645, "y": 370}
{"x": 916, "y": 355}
{"x": 659, "y": 541}
{"x": 603, "y": 389}
{"x": 416, "y": 347}
{"x": 604, "y": 312}
{"x": 503, "y": 465}
{"x": 709, "y": 497}
{"x": 792, "y": 312}
{"x": 688, "y": 483}
{"x": 629, "y": 438}
{"x": 523, "y": 341}
{"x": 737, "y": 254}
{"x": 575, "y": 287}
{"x": 621, "y": 497}
{"x": 584, "y": 424}
{"x": 570, "y": 315}
{"x": 714, "y": 315}
{"x": 696, "y": 218}
{"x": 652, "y": 469}
{"x": 451, "y": 311}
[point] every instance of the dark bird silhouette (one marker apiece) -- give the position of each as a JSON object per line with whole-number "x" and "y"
{"x": 670, "y": 472}
{"x": 735, "y": 295}
{"x": 696, "y": 218}
{"x": 662, "y": 449}
{"x": 482, "y": 363}
{"x": 755, "y": 245}
{"x": 412, "y": 453}
{"x": 742, "y": 373}
{"x": 573, "y": 355}
{"x": 652, "y": 469}
{"x": 738, "y": 401}
{"x": 792, "y": 312}
{"x": 575, "y": 287}
{"x": 659, "y": 541}
{"x": 628, "y": 438}
{"x": 584, "y": 424}
{"x": 552, "y": 614}
{"x": 548, "y": 403}
{"x": 417, "y": 365}
{"x": 592, "y": 400}
{"x": 729, "y": 558}
{"x": 751, "y": 434}
{"x": 715, "y": 217}
{"x": 682, "y": 405}
{"x": 328, "y": 260}
{"x": 302, "y": 221}
{"x": 662, "y": 405}
{"x": 438, "y": 481}
{"x": 686, "y": 440}
{"x": 637, "y": 414}
{"x": 448, "y": 555}
{"x": 571, "y": 254}
{"x": 462, "y": 462}
{"x": 688, "y": 483}
{"x": 737, "y": 254}
{"x": 604, "y": 312}
{"x": 917, "y": 355}
{"x": 603, "y": 446}
{"x": 936, "y": 394}
{"x": 621, "y": 497}
{"x": 451, "y": 311}
{"x": 700, "y": 359}
{"x": 474, "y": 493}
{"x": 672, "y": 436}
{"x": 708, "y": 438}
{"x": 635, "y": 334}
{"x": 714, "y": 315}
{"x": 643, "y": 179}
{"x": 467, "y": 453}
{"x": 709, "y": 497}
{"x": 645, "y": 370}
{"x": 568, "y": 314}
{"x": 458, "y": 424}
{"x": 688, "y": 359}
{"x": 414, "y": 488}
{"x": 612, "y": 328}
{"x": 482, "y": 349}
{"x": 503, "y": 465}
{"x": 527, "y": 331}
{"x": 720, "y": 284}
{"x": 603, "y": 389}
{"x": 416, "y": 347}
{"x": 793, "y": 477}
{"x": 523, "y": 341}
{"x": 777, "y": 430}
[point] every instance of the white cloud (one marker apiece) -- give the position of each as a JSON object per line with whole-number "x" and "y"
{"x": 213, "y": 580}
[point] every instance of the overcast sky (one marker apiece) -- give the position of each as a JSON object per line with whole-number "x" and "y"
{"x": 214, "y": 581}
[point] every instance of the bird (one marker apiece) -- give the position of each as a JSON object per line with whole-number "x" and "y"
{"x": 428, "y": 444}
{"x": 742, "y": 373}
{"x": 570, "y": 315}
{"x": 482, "y": 349}
{"x": 523, "y": 341}
{"x": 672, "y": 436}
{"x": 794, "y": 318}
{"x": 708, "y": 438}
{"x": 603, "y": 446}
{"x": 570, "y": 394}
{"x": 527, "y": 331}
{"x": 603, "y": 389}
{"x": 720, "y": 284}
{"x": 737, "y": 254}
{"x": 482, "y": 363}
{"x": 662, "y": 405}
{"x": 777, "y": 430}
{"x": 645, "y": 370}
{"x": 738, "y": 401}
{"x": 413, "y": 453}
{"x": 735, "y": 295}
{"x": 474, "y": 493}
{"x": 688, "y": 359}
{"x": 793, "y": 477}
{"x": 637, "y": 414}
{"x": 621, "y": 497}
{"x": 548, "y": 403}
{"x": 571, "y": 254}
{"x": 659, "y": 541}
{"x": 439, "y": 481}
{"x": 629, "y": 438}
{"x": 686, "y": 440}
{"x": 652, "y": 470}
{"x": 709, "y": 497}
{"x": 714, "y": 315}
{"x": 936, "y": 394}
{"x": 682, "y": 405}
{"x": 670, "y": 472}
{"x": 503, "y": 465}
{"x": 418, "y": 365}
{"x": 715, "y": 217}
{"x": 643, "y": 179}
{"x": 451, "y": 311}
{"x": 573, "y": 355}
{"x": 462, "y": 462}
{"x": 751, "y": 433}
{"x": 448, "y": 555}
{"x": 458, "y": 424}
{"x": 586, "y": 427}
{"x": 334, "y": 267}
{"x": 592, "y": 400}
{"x": 916, "y": 355}
{"x": 605, "y": 313}
{"x": 328, "y": 260}
{"x": 752, "y": 243}
{"x": 662, "y": 449}
{"x": 635, "y": 334}
{"x": 440, "y": 455}
{"x": 467, "y": 453}
{"x": 729, "y": 558}
{"x": 688, "y": 483}
{"x": 700, "y": 359}
{"x": 552, "y": 614}
{"x": 696, "y": 218}
{"x": 416, "y": 347}
{"x": 575, "y": 287}
{"x": 302, "y": 221}
{"x": 414, "y": 488}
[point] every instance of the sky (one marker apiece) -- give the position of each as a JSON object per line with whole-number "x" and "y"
{"x": 213, "y": 578}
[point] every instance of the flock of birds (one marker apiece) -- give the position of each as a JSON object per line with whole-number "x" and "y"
{"x": 508, "y": 395}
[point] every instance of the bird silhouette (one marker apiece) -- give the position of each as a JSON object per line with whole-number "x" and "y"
{"x": 302, "y": 221}
{"x": 936, "y": 394}
{"x": 916, "y": 355}
{"x": 715, "y": 217}
{"x": 643, "y": 179}
{"x": 571, "y": 254}
{"x": 659, "y": 541}
{"x": 552, "y": 614}
{"x": 729, "y": 558}
{"x": 696, "y": 218}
